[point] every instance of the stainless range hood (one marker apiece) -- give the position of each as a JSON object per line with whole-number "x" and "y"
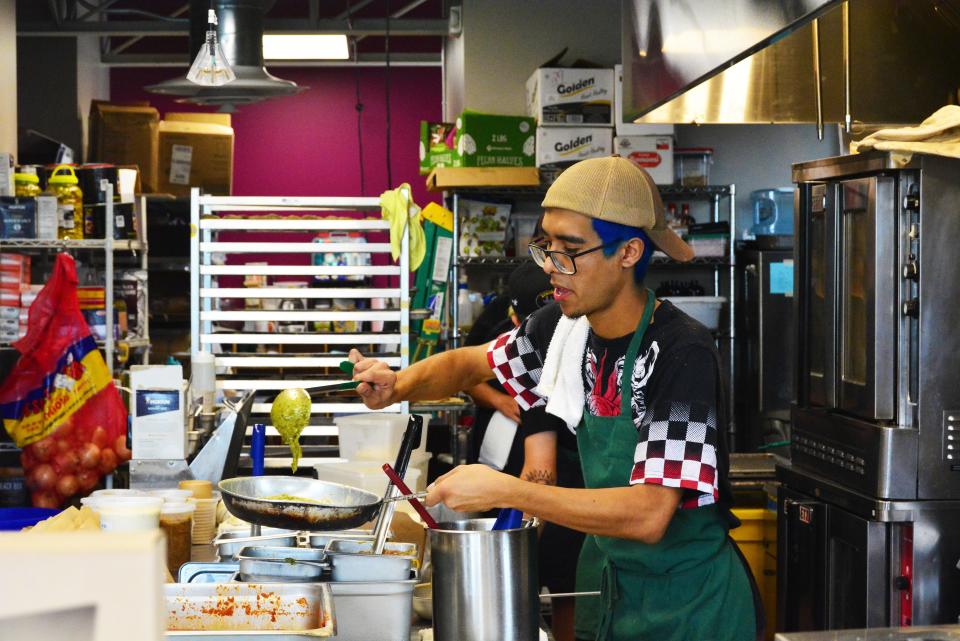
{"x": 240, "y": 32}
{"x": 789, "y": 61}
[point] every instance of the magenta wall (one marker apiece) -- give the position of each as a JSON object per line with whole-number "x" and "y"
{"x": 306, "y": 145}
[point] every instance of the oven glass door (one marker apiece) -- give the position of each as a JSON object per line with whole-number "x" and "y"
{"x": 820, "y": 325}
{"x": 868, "y": 288}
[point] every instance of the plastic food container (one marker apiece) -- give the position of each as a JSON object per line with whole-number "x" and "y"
{"x": 390, "y": 600}
{"x": 117, "y": 492}
{"x": 176, "y": 521}
{"x": 368, "y": 475}
{"x": 375, "y": 436}
{"x": 705, "y": 309}
{"x": 127, "y": 513}
{"x": 692, "y": 166}
{"x": 205, "y": 518}
{"x": 201, "y": 489}
{"x": 353, "y": 561}
{"x": 708, "y": 245}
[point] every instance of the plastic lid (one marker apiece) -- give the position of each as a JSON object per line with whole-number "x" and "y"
{"x": 58, "y": 178}
{"x": 171, "y": 496}
{"x": 117, "y": 492}
{"x": 123, "y": 503}
{"x": 26, "y": 178}
{"x": 693, "y": 150}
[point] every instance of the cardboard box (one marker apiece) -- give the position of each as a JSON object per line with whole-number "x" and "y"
{"x": 438, "y": 147}
{"x": 108, "y": 585}
{"x": 571, "y": 97}
{"x": 489, "y": 140}
{"x": 483, "y": 227}
{"x": 157, "y": 422}
{"x": 653, "y": 153}
{"x": 562, "y": 146}
{"x": 7, "y": 187}
{"x": 126, "y": 135}
{"x": 442, "y": 178}
{"x": 628, "y": 128}
{"x": 196, "y": 150}
{"x": 18, "y": 218}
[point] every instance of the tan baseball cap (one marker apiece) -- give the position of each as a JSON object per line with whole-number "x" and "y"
{"x": 616, "y": 190}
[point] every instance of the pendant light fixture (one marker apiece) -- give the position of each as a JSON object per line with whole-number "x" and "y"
{"x": 210, "y": 68}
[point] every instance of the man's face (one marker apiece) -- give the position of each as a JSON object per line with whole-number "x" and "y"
{"x": 598, "y": 279}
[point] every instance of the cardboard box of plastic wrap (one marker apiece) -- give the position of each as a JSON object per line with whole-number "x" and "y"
{"x": 196, "y": 150}
{"x": 571, "y": 97}
{"x": 653, "y": 153}
{"x": 125, "y": 135}
{"x": 490, "y": 140}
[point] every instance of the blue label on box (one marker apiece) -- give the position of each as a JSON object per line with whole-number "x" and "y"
{"x": 151, "y": 402}
{"x": 781, "y": 278}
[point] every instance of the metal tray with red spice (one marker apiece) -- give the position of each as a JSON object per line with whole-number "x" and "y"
{"x": 275, "y": 611}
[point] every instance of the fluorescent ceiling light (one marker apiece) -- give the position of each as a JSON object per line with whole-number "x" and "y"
{"x": 305, "y": 47}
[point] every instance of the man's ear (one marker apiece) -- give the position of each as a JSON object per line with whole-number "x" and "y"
{"x": 632, "y": 252}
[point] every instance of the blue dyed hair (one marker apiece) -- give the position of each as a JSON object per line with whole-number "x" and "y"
{"x": 614, "y": 234}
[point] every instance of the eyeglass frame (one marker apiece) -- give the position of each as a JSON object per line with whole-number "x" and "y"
{"x": 548, "y": 253}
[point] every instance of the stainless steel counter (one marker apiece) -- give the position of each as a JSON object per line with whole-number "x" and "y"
{"x": 933, "y": 633}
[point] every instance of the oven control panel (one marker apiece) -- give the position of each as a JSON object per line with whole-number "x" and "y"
{"x": 951, "y": 438}
{"x": 843, "y": 458}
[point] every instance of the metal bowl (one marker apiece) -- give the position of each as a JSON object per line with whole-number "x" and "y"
{"x": 338, "y": 507}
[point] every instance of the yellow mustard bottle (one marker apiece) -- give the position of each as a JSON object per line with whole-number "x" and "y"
{"x": 63, "y": 184}
{"x": 26, "y": 185}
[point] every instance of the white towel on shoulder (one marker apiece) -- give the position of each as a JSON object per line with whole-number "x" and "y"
{"x": 561, "y": 381}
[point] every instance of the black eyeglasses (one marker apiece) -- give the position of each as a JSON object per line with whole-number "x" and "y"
{"x": 563, "y": 261}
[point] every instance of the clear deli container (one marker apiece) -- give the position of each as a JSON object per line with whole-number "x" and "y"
{"x": 375, "y": 435}
{"x": 692, "y": 166}
{"x": 126, "y": 513}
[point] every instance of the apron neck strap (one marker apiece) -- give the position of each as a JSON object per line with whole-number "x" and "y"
{"x": 633, "y": 350}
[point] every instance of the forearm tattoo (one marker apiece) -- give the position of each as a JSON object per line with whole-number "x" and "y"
{"x": 544, "y": 477}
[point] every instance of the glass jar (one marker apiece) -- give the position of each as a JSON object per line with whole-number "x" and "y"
{"x": 26, "y": 185}
{"x": 63, "y": 184}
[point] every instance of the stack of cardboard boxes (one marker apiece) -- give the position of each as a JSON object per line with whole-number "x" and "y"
{"x": 16, "y": 296}
{"x": 181, "y": 151}
{"x": 574, "y": 113}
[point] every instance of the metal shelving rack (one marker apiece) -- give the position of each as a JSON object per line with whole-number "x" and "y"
{"x": 724, "y": 268}
{"x": 211, "y": 215}
{"x": 109, "y": 245}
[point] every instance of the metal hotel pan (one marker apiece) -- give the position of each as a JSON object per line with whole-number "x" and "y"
{"x": 266, "y": 564}
{"x": 339, "y": 507}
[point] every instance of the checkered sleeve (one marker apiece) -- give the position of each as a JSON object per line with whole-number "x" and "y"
{"x": 677, "y": 437}
{"x": 516, "y": 359}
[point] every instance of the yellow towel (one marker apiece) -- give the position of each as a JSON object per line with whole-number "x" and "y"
{"x": 397, "y": 207}
{"x": 938, "y": 135}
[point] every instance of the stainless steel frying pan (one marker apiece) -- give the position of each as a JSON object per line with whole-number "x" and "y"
{"x": 340, "y": 507}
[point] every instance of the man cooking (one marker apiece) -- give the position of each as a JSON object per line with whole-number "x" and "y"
{"x": 639, "y": 384}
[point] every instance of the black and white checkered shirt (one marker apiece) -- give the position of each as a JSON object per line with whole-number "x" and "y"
{"x": 676, "y": 394}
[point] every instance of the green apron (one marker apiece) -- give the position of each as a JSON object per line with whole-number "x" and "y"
{"x": 690, "y": 586}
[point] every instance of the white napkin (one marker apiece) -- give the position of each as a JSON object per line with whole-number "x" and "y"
{"x": 561, "y": 380}
{"x": 497, "y": 441}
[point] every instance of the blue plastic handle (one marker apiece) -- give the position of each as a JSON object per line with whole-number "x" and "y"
{"x": 258, "y": 442}
{"x": 508, "y": 519}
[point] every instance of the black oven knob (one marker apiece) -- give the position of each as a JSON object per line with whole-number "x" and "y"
{"x": 911, "y": 270}
{"x": 911, "y": 308}
{"x": 901, "y": 583}
{"x": 911, "y": 202}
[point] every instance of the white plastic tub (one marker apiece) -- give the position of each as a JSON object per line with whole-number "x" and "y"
{"x": 705, "y": 309}
{"x": 375, "y": 436}
{"x": 126, "y": 513}
{"x": 369, "y": 475}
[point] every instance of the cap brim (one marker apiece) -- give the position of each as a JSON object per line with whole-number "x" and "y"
{"x": 670, "y": 244}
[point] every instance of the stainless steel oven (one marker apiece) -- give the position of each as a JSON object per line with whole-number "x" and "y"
{"x": 877, "y": 283}
{"x": 845, "y": 560}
